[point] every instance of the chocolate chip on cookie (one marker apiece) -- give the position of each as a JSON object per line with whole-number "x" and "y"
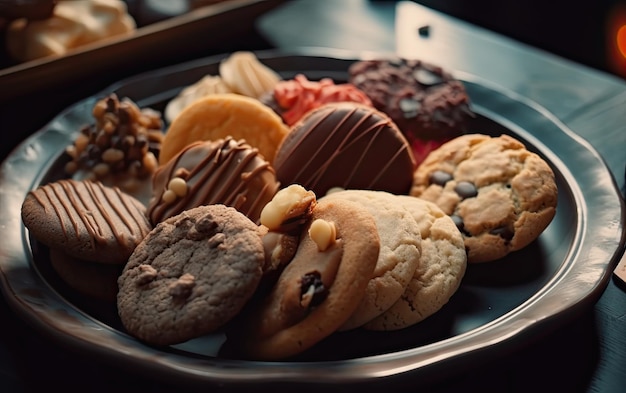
{"x": 191, "y": 275}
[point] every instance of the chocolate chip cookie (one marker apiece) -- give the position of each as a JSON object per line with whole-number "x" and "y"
{"x": 424, "y": 100}
{"x": 500, "y": 195}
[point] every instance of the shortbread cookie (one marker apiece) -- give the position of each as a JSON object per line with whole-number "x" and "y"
{"x": 191, "y": 275}
{"x": 319, "y": 289}
{"x": 439, "y": 273}
{"x": 86, "y": 219}
{"x": 245, "y": 74}
{"x": 400, "y": 247}
{"x": 346, "y": 145}
{"x": 218, "y": 116}
{"x": 501, "y": 195}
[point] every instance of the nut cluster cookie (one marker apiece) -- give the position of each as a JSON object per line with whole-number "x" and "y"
{"x": 500, "y": 195}
{"x": 191, "y": 275}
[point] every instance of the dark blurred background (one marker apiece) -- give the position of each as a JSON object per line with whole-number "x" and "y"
{"x": 585, "y": 31}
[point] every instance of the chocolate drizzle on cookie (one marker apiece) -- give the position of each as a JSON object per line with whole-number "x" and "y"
{"x": 223, "y": 171}
{"x": 91, "y": 213}
{"x": 346, "y": 145}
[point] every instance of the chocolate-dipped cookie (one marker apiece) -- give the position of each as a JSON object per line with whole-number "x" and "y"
{"x": 222, "y": 171}
{"x": 346, "y": 145}
{"x": 86, "y": 219}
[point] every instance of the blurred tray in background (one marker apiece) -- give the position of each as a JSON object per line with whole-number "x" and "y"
{"x": 191, "y": 33}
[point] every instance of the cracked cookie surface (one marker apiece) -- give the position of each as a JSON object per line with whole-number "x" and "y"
{"x": 439, "y": 272}
{"x": 501, "y": 195}
{"x": 400, "y": 247}
{"x": 191, "y": 275}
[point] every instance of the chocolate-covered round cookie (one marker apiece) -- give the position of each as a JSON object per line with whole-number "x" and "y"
{"x": 191, "y": 275}
{"x": 222, "y": 171}
{"x": 86, "y": 219}
{"x": 346, "y": 145}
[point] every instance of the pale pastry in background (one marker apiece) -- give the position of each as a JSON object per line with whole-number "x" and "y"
{"x": 240, "y": 73}
{"x": 210, "y": 84}
{"x": 246, "y": 75}
{"x": 74, "y": 23}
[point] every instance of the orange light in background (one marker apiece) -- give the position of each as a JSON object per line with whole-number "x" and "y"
{"x": 616, "y": 39}
{"x": 621, "y": 40}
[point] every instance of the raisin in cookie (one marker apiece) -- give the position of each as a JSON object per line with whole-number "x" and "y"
{"x": 319, "y": 289}
{"x": 400, "y": 247}
{"x": 501, "y": 195}
{"x": 191, "y": 275}
{"x": 439, "y": 273}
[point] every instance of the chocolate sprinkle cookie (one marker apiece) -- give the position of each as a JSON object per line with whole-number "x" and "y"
{"x": 425, "y": 101}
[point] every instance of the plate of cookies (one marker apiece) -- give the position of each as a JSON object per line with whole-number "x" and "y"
{"x": 313, "y": 218}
